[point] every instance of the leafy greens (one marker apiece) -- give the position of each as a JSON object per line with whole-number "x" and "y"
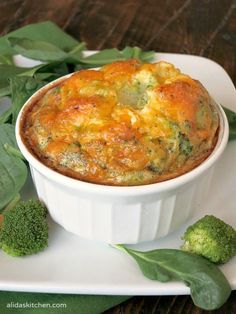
{"x": 13, "y": 171}
{"x": 44, "y": 31}
{"x": 231, "y": 116}
{"x": 209, "y": 288}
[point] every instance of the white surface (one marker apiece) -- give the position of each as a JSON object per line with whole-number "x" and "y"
{"x": 73, "y": 265}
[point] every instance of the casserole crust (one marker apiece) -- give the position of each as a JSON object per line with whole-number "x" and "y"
{"x": 125, "y": 124}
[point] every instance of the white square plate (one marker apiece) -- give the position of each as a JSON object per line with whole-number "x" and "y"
{"x": 74, "y": 265}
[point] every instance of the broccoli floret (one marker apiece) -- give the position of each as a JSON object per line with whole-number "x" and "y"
{"x": 185, "y": 145}
{"x": 24, "y": 229}
{"x": 211, "y": 238}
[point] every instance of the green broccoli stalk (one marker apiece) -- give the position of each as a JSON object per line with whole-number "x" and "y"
{"x": 212, "y": 238}
{"x": 24, "y": 229}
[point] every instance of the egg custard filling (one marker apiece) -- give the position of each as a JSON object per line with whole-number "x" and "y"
{"x": 128, "y": 123}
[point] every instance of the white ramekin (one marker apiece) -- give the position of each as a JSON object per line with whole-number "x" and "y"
{"x": 117, "y": 214}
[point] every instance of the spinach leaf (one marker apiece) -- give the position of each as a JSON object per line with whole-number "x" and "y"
{"x": 136, "y": 52}
{"x": 5, "y": 90}
{"x": 75, "y": 54}
{"x": 13, "y": 171}
{"x": 231, "y": 116}
{"x": 54, "y": 69}
{"x": 208, "y": 287}
{"x": 45, "y": 31}
{"x": 147, "y": 55}
{"x": 39, "y": 50}
{"x": 103, "y": 57}
{"x": 15, "y": 152}
{"x": 131, "y": 52}
{"x": 8, "y": 71}
{"x": 6, "y": 116}
{"x": 22, "y": 87}
{"x": 6, "y": 59}
{"x": 13, "y": 202}
{"x": 110, "y": 55}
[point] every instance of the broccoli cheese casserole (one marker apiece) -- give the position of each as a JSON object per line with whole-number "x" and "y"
{"x": 127, "y": 123}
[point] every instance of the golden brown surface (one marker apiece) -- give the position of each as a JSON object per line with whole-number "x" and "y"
{"x": 126, "y": 124}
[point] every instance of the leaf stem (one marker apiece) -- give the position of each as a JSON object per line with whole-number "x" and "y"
{"x": 81, "y": 46}
{"x": 137, "y": 52}
{"x": 13, "y": 151}
{"x": 120, "y": 247}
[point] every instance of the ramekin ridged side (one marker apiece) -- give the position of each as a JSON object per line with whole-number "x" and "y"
{"x": 120, "y": 219}
{"x": 117, "y": 214}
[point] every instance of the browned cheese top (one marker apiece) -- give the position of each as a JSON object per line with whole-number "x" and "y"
{"x": 126, "y": 124}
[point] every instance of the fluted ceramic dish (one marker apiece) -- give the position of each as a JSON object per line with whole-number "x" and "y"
{"x": 114, "y": 214}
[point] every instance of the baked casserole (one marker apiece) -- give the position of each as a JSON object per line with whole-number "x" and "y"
{"x": 128, "y": 123}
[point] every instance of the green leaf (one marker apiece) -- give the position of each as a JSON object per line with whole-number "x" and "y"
{"x": 6, "y": 59}
{"x": 231, "y": 116}
{"x": 5, "y": 90}
{"x": 208, "y": 287}
{"x": 103, "y": 57}
{"x": 55, "y": 69}
{"x": 22, "y": 87}
{"x": 5, "y": 104}
{"x": 131, "y": 52}
{"x": 6, "y": 115}
{"x": 75, "y": 54}
{"x": 8, "y": 71}
{"x": 13, "y": 202}
{"x": 39, "y": 50}
{"x": 136, "y": 52}
{"x": 13, "y": 171}
{"x": 15, "y": 82}
{"x": 128, "y": 52}
{"x": 31, "y": 71}
{"x": 45, "y": 31}
{"x": 147, "y": 56}
{"x": 110, "y": 55}
{"x": 15, "y": 152}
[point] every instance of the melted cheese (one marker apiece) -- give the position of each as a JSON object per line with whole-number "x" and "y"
{"x": 126, "y": 124}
